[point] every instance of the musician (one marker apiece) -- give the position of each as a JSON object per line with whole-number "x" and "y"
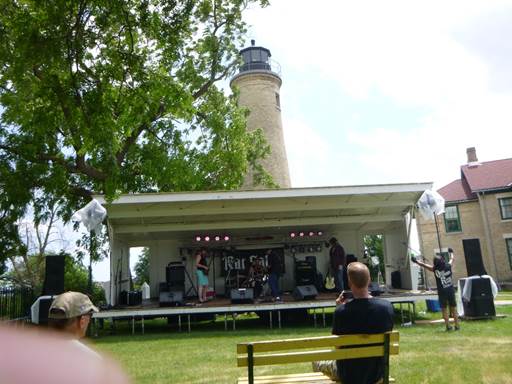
{"x": 338, "y": 261}
{"x": 257, "y": 275}
{"x": 202, "y": 274}
{"x": 275, "y": 270}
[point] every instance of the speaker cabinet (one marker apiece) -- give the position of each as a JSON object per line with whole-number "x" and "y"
{"x": 130, "y": 298}
{"x": 305, "y": 272}
{"x": 479, "y": 307}
{"x": 305, "y": 292}
{"x": 242, "y": 296}
{"x": 175, "y": 275}
{"x": 171, "y": 298}
{"x": 481, "y": 302}
{"x": 54, "y": 275}
{"x": 396, "y": 280}
{"x": 39, "y": 310}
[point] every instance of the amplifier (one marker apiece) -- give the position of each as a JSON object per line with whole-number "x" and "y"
{"x": 171, "y": 298}
{"x": 305, "y": 272}
{"x": 130, "y": 298}
{"x": 242, "y": 296}
{"x": 305, "y": 292}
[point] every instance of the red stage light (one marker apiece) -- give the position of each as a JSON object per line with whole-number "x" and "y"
{"x": 226, "y": 238}
{"x": 311, "y": 233}
{"x": 207, "y": 238}
{"x": 217, "y": 238}
{"x": 292, "y": 235}
{"x": 198, "y": 238}
{"x": 301, "y": 234}
{"x": 320, "y": 233}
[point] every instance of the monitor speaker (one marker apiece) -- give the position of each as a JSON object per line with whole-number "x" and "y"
{"x": 54, "y": 275}
{"x": 242, "y": 295}
{"x": 171, "y": 298}
{"x": 305, "y": 292}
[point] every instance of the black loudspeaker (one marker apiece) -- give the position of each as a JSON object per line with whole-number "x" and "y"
{"x": 163, "y": 287}
{"x": 396, "y": 280}
{"x": 305, "y": 292}
{"x": 242, "y": 296}
{"x": 175, "y": 275}
{"x": 171, "y": 298}
{"x": 305, "y": 272}
{"x": 130, "y": 298}
{"x": 481, "y": 303}
{"x": 375, "y": 289}
{"x": 44, "y": 308}
{"x": 54, "y": 275}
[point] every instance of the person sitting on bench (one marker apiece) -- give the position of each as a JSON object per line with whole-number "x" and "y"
{"x": 361, "y": 314}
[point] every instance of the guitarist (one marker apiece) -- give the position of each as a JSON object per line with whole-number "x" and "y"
{"x": 202, "y": 274}
{"x": 338, "y": 261}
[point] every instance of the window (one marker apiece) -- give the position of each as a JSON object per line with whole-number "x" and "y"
{"x": 506, "y": 208}
{"x": 509, "y": 251}
{"x": 278, "y": 100}
{"x": 452, "y": 219}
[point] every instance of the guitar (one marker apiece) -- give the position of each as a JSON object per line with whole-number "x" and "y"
{"x": 329, "y": 282}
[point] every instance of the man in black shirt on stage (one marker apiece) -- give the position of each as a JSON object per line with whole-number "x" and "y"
{"x": 361, "y": 315}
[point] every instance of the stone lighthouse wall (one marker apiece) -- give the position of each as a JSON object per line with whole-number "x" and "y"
{"x": 259, "y": 92}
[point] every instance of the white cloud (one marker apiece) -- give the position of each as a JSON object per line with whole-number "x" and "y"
{"x": 440, "y": 57}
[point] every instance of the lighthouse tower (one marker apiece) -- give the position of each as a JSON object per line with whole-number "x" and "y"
{"x": 259, "y": 83}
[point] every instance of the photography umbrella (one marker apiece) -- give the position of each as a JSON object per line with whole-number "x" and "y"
{"x": 430, "y": 205}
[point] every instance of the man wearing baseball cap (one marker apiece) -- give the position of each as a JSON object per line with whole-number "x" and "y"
{"x": 70, "y": 314}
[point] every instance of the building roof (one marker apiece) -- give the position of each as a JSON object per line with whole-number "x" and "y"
{"x": 135, "y": 218}
{"x": 479, "y": 177}
{"x": 489, "y": 175}
{"x": 457, "y": 190}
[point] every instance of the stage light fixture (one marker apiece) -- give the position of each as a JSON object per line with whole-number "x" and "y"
{"x": 292, "y": 235}
{"x": 207, "y": 238}
{"x": 198, "y": 238}
{"x": 226, "y": 238}
{"x": 311, "y": 233}
{"x": 301, "y": 234}
{"x": 217, "y": 238}
{"x": 320, "y": 233}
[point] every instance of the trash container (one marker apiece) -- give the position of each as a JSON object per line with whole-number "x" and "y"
{"x": 433, "y": 306}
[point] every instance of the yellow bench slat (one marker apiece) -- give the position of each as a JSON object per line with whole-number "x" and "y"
{"x": 308, "y": 356}
{"x": 316, "y": 342}
{"x": 310, "y": 377}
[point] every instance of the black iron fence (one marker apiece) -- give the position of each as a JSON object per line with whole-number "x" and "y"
{"x": 15, "y": 303}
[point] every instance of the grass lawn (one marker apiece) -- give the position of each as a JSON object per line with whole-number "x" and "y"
{"x": 479, "y": 353}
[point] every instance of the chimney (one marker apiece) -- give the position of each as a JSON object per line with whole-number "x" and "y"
{"x": 472, "y": 155}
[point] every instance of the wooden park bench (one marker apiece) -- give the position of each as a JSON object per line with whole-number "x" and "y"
{"x": 302, "y": 350}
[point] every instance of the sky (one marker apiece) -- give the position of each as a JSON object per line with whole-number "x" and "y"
{"x": 380, "y": 92}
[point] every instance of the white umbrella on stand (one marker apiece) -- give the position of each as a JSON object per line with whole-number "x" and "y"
{"x": 430, "y": 205}
{"x": 91, "y": 216}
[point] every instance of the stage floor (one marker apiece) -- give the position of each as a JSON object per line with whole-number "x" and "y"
{"x": 222, "y": 306}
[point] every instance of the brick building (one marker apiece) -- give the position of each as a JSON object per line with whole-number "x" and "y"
{"x": 477, "y": 222}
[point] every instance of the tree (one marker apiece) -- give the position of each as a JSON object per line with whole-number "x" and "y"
{"x": 142, "y": 268}
{"x": 113, "y": 97}
{"x": 374, "y": 246}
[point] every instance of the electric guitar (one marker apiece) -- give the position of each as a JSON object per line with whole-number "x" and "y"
{"x": 329, "y": 282}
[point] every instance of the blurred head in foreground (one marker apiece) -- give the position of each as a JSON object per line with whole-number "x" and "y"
{"x": 34, "y": 356}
